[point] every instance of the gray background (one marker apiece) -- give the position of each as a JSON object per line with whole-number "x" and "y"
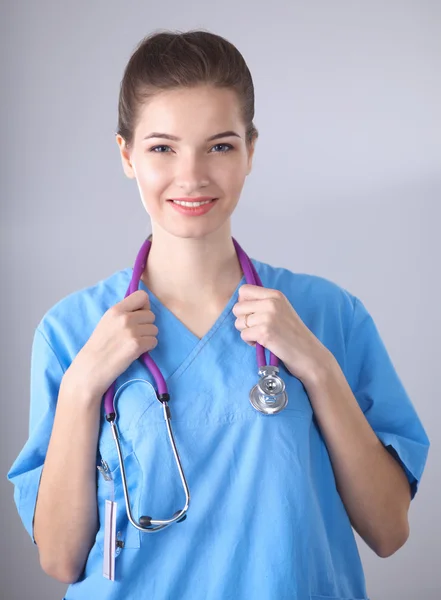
{"x": 346, "y": 184}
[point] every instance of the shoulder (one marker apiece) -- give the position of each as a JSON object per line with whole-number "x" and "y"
{"x": 71, "y": 320}
{"x": 307, "y": 291}
{"x": 328, "y": 309}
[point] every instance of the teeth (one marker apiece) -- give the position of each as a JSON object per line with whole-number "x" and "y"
{"x": 191, "y": 204}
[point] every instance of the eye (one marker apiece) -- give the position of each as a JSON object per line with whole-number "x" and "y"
{"x": 228, "y": 146}
{"x": 155, "y": 147}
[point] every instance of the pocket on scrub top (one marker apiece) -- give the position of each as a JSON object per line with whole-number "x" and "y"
{"x": 110, "y": 487}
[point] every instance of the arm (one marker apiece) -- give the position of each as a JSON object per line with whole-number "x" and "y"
{"x": 55, "y": 473}
{"x": 359, "y": 417}
{"x": 371, "y": 483}
{"x": 66, "y": 519}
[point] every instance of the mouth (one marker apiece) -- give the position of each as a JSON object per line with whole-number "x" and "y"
{"x": 191, "y": 203}
{"x": 193, "y": 209}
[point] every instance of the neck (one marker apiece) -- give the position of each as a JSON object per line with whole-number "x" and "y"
{"x": 193, "y": 270}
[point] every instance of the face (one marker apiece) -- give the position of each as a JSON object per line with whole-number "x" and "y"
{"x": 191, "y": 166}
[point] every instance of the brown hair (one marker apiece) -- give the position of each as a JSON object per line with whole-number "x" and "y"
{"x": 166, "y": 61}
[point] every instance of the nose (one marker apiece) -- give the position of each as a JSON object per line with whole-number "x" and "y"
{"x": 191, "y": 173}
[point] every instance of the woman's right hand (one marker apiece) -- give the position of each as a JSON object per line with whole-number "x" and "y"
{"x": 123, "y": 334}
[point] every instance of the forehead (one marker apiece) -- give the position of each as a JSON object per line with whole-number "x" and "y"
{"x": 184, "y": 110}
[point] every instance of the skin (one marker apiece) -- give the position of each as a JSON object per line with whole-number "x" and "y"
{"x": 193, "y": 254}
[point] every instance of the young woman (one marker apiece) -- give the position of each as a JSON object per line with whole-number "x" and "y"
{"x": 260, "y": 499}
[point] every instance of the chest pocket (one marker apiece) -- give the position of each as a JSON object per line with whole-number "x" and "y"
{"x": 110, "y": 487}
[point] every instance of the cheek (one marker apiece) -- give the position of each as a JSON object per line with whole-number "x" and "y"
{"x": 236, "y": 183}
{"x": 152, "y": 179}
{"x": 230, "y": 178}
{"x": 151, "y": 186}
{"x": 228, "y": 175}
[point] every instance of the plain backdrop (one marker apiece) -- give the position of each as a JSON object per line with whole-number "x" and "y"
{"x": 346, "y": 184}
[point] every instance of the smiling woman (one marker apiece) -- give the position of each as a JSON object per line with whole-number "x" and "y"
{"x": 282, "y": 455}
{"x": 175, "y": 179}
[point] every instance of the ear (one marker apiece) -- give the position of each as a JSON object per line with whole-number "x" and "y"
{"x": 250, "y": 155}
{"x": 125, "y": 157}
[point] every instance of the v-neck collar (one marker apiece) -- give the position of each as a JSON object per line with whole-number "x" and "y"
{"x": 158, "y": 307}
{"x": 177, "y": 354}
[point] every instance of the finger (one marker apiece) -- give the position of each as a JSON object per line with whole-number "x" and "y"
{"x": 256, "y": 292}
{"x": 250, "y": 306}
{"x": 144, "y": 316}
{"x": 247, "y": 336}
{"x": 136, "y": 301}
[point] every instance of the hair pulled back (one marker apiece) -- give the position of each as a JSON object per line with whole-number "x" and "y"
{"x": 166, "y": 60}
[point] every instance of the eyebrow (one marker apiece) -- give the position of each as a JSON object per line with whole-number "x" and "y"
{"x": 174, "y": 138}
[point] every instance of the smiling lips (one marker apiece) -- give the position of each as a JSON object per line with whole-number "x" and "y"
{"x": 192, "y": 206}
{"x": 193, "y": 202}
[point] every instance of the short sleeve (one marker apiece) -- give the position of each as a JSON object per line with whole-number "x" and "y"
{"x": 25, "y": 473}
{"x": 383, "y": 398}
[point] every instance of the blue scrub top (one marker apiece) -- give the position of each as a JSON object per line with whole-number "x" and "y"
{"x": 265, "y": 518}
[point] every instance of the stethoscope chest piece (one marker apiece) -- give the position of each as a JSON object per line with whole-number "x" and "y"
{"x": 268, "y": 396}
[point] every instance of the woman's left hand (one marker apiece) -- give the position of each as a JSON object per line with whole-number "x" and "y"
{"x": 273, "y": 323}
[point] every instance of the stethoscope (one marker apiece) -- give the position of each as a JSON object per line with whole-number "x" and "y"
{"x": 268, "y": 396}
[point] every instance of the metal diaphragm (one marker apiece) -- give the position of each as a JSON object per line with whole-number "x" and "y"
{"x": 269, "y": 396}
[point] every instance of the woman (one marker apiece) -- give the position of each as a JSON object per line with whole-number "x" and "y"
{"x": 272, "y": 497}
